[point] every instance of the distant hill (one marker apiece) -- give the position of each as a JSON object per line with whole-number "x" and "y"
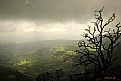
{"x": 30, "y": 46}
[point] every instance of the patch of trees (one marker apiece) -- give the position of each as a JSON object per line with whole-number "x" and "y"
{"x": 9, "y": 74}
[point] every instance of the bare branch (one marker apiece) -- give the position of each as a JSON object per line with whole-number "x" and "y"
{"x": 102, "y": 57}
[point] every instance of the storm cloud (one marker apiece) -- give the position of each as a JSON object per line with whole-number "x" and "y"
{"x": 56, "y": 9}
{"x": 66, "y": 18}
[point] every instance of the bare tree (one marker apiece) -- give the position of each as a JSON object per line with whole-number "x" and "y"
{"x": 102, "y": 57}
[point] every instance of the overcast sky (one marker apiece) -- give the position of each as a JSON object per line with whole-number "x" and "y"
{"x": 34, "y": 20}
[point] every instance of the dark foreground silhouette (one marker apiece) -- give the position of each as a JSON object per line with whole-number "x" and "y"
{"x": 8, "y": 74}
{"x": 111, "y": 75}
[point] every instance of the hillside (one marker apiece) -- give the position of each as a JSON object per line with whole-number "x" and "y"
{"x": 32, "y": 46}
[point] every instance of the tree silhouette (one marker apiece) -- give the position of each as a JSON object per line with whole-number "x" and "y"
{"x": 44, "y": 77}
{"x": 102, "y": 57}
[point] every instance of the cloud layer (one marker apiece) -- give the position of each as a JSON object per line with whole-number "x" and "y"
{"x": 50, "y": 19}
{"x": 56, "y": 10}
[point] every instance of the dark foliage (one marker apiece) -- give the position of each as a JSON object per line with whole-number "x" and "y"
{"x": 46, "y": 76}
{"x": 8, "y": 74}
